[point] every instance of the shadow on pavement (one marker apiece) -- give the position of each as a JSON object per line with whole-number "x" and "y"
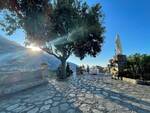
{"x": 119, "y": 98}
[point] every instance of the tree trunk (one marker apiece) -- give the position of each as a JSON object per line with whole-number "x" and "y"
{"x": 63, "y": 68}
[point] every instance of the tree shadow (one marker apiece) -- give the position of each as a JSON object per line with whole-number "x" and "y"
{"x": 34, "y": 95}
{"x": 119, "y": 98}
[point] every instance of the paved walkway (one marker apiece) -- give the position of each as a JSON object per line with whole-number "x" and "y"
{"x": 84, "y": 94}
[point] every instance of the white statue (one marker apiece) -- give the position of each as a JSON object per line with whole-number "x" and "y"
{"x": 118, "y": 48}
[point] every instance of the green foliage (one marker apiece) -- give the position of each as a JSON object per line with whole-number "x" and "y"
{"x": 29, "y": 15}
{"x": 43, "y": 21}
{"x": 81, "y": 25}
{"x": 139, "y": 65}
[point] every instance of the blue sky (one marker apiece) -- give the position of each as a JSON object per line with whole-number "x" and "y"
{"x": 129, "y": 18}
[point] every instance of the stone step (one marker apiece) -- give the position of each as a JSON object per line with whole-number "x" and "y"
{"x": 19, "y": 86}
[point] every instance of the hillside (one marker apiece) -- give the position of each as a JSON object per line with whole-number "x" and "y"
{"x": 15, "y": 57}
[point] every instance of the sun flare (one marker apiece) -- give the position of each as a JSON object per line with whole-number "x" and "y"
{"x": 34, "y": 48}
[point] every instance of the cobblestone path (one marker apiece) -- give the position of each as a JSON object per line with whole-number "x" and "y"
{"x": 82, "y": 94}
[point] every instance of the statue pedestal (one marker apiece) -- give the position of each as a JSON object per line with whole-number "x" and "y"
{"x": 117, "y": 65}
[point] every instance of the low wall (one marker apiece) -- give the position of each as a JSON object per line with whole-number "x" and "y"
{"x": 133, "y": 81}
{"x": 17, "y": 76}
{"x": 136, "y": 81}
{"x": 11, "y": 82}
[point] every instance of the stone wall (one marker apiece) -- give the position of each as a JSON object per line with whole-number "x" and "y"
{"x": 11, "y": 82}
{"x": 17, "y": 76}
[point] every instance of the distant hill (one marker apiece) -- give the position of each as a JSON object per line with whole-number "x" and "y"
{"x": 14, "y": 57}
{"x": 9, "y": 46}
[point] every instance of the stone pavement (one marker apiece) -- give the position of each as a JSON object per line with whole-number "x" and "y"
{"x": 82, "y": 94}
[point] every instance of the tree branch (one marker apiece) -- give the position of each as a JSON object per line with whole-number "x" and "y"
{"x": 50, "y": 52}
